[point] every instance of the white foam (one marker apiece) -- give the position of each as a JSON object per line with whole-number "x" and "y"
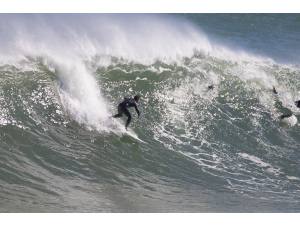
{"x": 260, "y": 163}
{"x": 289, "y": 121}
{"x": 293, "y": 178}
{"x": 148, "y": 38}
{"x": 254, "y": 159}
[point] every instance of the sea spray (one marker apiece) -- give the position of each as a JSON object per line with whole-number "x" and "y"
{"x": 81, "y": 96}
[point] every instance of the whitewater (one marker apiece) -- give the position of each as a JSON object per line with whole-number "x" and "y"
{"x": 221, "y": 150}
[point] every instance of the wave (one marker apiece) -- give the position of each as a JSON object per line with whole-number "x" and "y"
{"x": 61, "y": 78}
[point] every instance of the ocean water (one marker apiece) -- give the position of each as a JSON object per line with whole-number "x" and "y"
{"x": 220, "y": 150}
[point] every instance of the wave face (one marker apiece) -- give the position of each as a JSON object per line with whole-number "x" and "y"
{"x": 220, "y": 150}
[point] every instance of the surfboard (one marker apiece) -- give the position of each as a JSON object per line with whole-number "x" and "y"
{"x": 131, "y": 134}
{"x": 120, "y": 130}
{"x": 289, "y": 121}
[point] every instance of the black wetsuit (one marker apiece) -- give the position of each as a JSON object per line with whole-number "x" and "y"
{"x": 123, "y": 109}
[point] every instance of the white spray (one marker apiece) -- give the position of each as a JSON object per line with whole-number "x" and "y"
{"x": 70, "y": 40}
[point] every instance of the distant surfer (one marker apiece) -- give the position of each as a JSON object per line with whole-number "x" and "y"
{"x": 284, "y": 110}
{"x": 123, "y": 108}
{"x": 211, "y": 87}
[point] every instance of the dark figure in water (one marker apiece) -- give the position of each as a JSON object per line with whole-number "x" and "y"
{"x": 123, "y": 108}
{"x": 211, "y": 87}
{"x": 285, "y": 111}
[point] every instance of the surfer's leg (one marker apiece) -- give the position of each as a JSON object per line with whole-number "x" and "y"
{"x": 117, "y": 115}
{"x": 127, "y": 113}
{"x": 120, "y": 112}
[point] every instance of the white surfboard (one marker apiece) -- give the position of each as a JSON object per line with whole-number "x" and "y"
{"x": 119, "y": 129}
{"x": 289, "y": 121}
{"x": 132, "y": 134}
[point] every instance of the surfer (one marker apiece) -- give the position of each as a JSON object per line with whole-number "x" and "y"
{"x": 211, "y": 87}
{"x": 284, "y": 110}
{"x": 123, "y": 108}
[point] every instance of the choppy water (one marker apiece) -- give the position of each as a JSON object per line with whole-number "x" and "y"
{"x": 223, "y": 150}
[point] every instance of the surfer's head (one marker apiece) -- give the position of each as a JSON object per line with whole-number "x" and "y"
{"x": 137, "y": 97}
{"x": 297, "y": 103}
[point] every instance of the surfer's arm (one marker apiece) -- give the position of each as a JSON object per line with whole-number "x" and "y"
{"x": 137, "y": 110}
